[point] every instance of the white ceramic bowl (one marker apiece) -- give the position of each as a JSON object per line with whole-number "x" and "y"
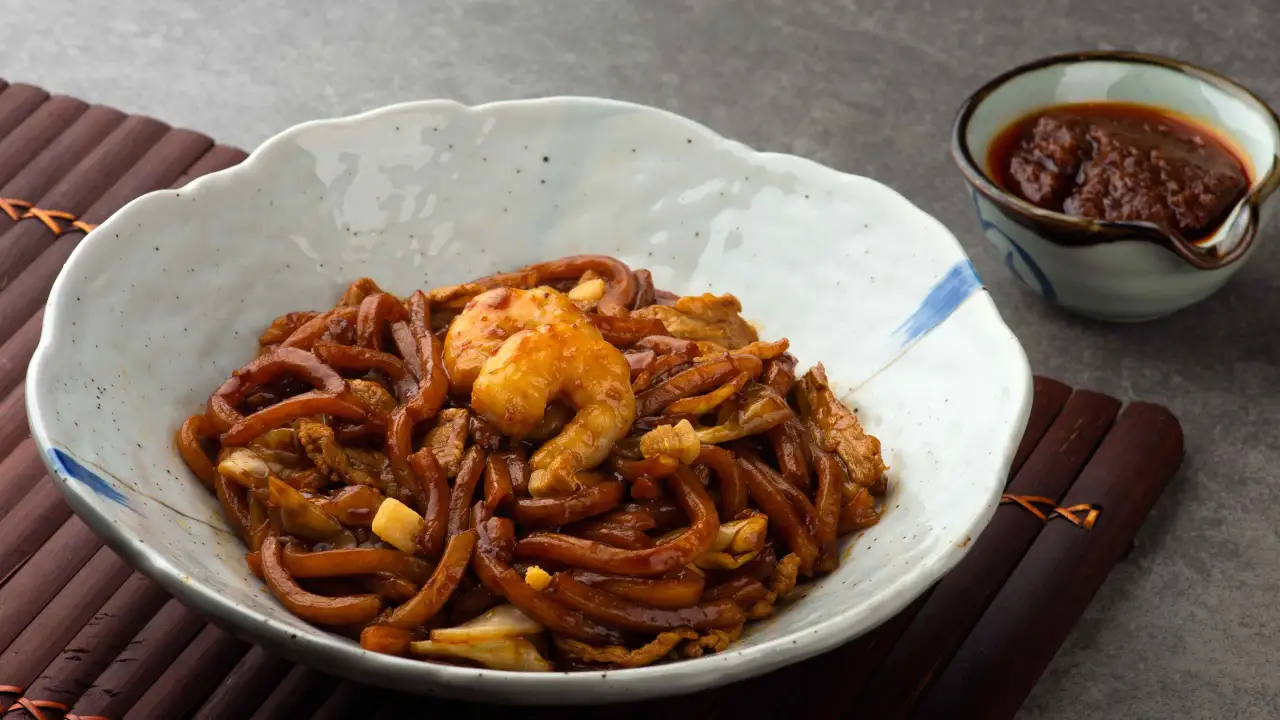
{"x": 1119, "y": 271}
{"x": 164, "y": 300}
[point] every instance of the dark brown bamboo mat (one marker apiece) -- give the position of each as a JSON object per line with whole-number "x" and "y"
{"x": 84, "y": 636}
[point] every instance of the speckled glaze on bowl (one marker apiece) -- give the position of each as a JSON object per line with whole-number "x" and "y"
{"x": 163, "y": 301}
{"x": 1118, "y": 271}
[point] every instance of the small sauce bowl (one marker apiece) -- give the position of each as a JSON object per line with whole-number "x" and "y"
{"x": 1118, "y": 270}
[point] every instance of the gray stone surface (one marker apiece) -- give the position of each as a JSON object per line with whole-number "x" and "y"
{"x": 1189, "y": 626}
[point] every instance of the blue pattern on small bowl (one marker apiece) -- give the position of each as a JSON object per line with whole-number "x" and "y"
{"x": 1111, "y": 270}
{"x": 163, "y": 301}
{"x": 1017, "y": 260}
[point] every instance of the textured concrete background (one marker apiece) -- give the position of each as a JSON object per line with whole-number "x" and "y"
{"x": 1189, "y": 626}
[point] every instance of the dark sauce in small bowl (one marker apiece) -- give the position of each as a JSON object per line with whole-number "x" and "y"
{"x": 1122, "y": 162}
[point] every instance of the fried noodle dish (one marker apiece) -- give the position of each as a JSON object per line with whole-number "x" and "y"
{"x": 554, "y": 468}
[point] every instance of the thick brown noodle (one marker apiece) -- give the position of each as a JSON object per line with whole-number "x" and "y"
{"x": 729, "y": 475}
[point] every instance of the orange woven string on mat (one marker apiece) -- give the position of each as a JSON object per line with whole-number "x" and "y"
{"x": 1029, "y": 503}
{"x": 18, "y": 209}
{"x": 34, "y": 707}
{"x": 14, "y": 207}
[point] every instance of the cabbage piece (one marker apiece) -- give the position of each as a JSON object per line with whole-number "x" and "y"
{"x": 244, "y": 467}
{"x": 713, "y": 560}
{"x": 299, "y": 516}
{"x": 513, "y": 653}
{"x": 760, "y": 409}
{"x": 743, "y": 535}
{"x": 504, "y": 621}
{"x": 736, "y": 543}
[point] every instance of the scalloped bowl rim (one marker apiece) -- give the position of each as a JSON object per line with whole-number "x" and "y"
{"x": 735, "y": 663}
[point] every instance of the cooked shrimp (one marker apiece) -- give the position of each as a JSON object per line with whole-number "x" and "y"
{"x": 535, "y": 366}
{"x": 492, "y": 317}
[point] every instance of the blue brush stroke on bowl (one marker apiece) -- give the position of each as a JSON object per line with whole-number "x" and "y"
{"x": 68, "y": 466}
{"x": 1006, "y": 245}
{"x": 954, "y": 288}
{"x": 1041, "y": 280}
